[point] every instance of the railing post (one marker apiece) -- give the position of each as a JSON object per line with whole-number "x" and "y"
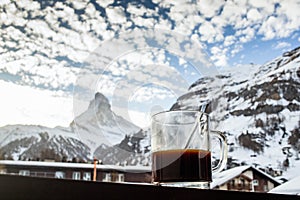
{"x": 95, "y": 170}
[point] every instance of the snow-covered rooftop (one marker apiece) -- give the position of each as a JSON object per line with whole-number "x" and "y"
{"x": 290, "y": 187}
{"x": 224, "y": 176}
{"x": 75, "y": 165}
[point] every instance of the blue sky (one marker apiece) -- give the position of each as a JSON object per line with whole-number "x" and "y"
{"x": 260, "y": 51}
{"x": 47, "y": 49}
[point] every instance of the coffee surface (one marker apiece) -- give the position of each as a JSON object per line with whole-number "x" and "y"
{"x": 181, "y": 165}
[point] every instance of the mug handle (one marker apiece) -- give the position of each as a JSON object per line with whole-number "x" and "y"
{"x": 224, "y": 150}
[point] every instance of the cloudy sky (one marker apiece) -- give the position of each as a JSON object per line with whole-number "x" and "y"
{"x": 54, "y": 55}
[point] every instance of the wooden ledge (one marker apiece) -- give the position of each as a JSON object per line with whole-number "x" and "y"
{"x": 25, "y": 187}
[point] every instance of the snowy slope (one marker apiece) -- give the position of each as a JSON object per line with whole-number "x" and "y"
{"x": 24, "y": 142}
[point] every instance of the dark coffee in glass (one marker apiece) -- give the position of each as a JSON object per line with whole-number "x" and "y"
{"x": 181, "y": 165}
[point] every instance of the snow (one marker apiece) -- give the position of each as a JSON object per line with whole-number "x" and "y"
{"x": 224, "y": 176}
{"x": 10, "y": 133}
{"x": 291, "y": 187}
{"x": 15, "y": 156}
{"x": 136, "y": 169}
{"x": 291, "y": 172}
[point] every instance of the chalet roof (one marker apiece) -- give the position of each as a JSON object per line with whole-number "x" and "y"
{"x": 290, "y": 187}
{"x": 225, "y": 176}
{"x": 76, "y": 165}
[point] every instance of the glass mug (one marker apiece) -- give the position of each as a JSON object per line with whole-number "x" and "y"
{"x": 181, "y": 149}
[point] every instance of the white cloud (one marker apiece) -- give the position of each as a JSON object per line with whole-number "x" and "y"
{"x": 275, "y": 28}
{"x": 40, "y": 27}
{"x": 229, "y": 40}
{"x": 246, "y": 35}
{"x": 254, "y": 15}
{"x": 289, "y": 11}
{"x": 267, "y": 6}
{"x": 79, "y": 4}
{"x": 268, "y": 28}
{"x": 282, "y": 22}
{"x": 210, "y": 33}
{"x": 219, "y": 22}
{"x": 140, "y": 21}
{"x": 185, "y": 15}
{"x": 148, "y": 92}
{"x": 219, "y": 56}
{"x": 232, "y": 13}
{"x": 209, "y": 8}
{"x": 236, "y": 48}
{"x": 26, "y": 105}
{"x": 136, "y": 11}
{"x": 141, "y": 119}
{"x": 115, "y": 15}
{"x": 282, "y": 45}
{"x": 259, "y": 3}
{"x": 104, "y": 3}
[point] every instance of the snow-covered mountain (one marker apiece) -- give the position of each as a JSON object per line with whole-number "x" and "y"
{"x": 258, "y": 108}
{"x": 96, "y": 128}
{"x": 132, "y": 150}
{"x": 100, "y": 125}
{"x": 31, "y": 142}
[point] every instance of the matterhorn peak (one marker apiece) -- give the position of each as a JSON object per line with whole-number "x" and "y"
{"x": 100, "y": 102}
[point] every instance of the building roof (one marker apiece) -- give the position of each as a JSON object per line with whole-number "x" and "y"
{"x": 76, "y": 165}
{"x": 290, "y": 187}
{"x": 225, "y": 176}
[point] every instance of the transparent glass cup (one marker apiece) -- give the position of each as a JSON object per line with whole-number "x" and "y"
{"x": 181, "y": 149}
